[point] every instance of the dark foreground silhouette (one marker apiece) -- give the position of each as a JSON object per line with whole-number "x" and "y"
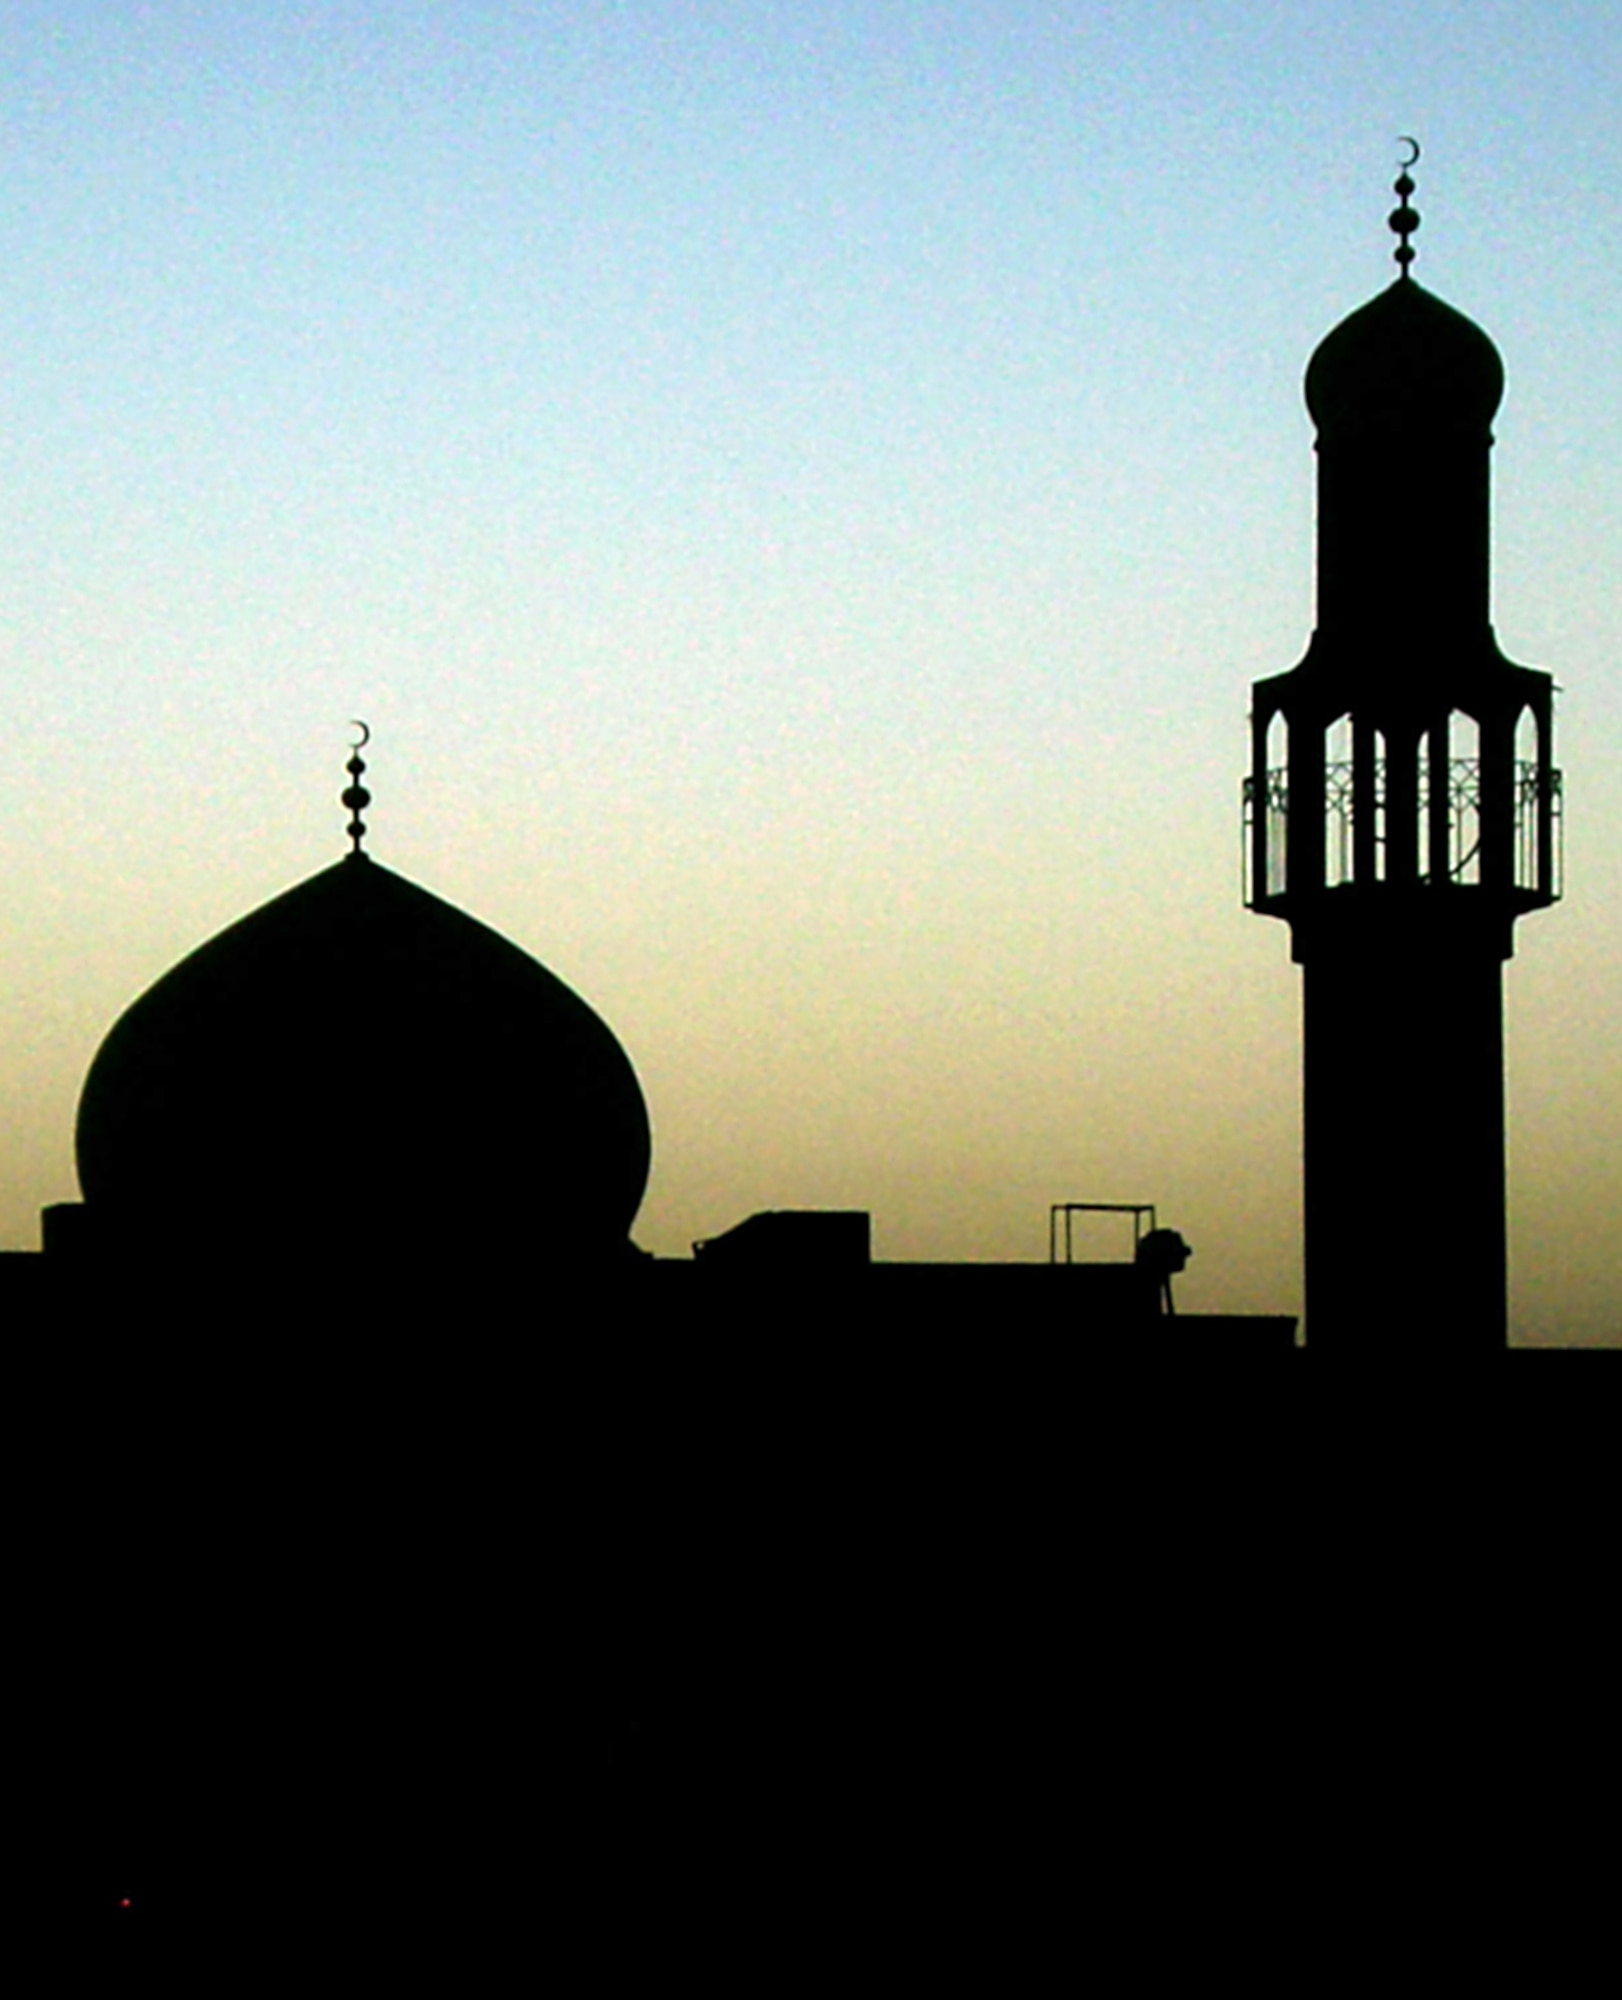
{"x": 731, "y": 1656}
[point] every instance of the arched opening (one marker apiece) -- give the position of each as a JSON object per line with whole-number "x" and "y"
{"x": 1463, "y": 798}
{"x": 1379, "y": 788}
{"x": 1276, "y": 805}
{"x": 1338, "y": 864}
{"x": 1431, "y": 802}
{"x": 1528, "y": 853}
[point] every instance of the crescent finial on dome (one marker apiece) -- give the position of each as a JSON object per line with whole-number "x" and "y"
{"x": 1403, "y": 219}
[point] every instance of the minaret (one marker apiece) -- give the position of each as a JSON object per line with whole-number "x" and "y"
{"x": 1402, "y": 811}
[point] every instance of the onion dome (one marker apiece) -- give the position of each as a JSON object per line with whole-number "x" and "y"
{"x": 358, "y": 1065}
{"x": 1406, "y": 361}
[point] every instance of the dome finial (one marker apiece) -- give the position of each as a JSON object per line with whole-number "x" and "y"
{"x": 1403, "y": 219}
{"x": 356, "y": 797}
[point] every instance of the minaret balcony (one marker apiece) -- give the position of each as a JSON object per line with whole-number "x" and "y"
{"x": 1349, "y": 836}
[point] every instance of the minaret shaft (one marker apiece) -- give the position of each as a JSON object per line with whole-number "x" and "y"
{"x": 1404, "y": 1141}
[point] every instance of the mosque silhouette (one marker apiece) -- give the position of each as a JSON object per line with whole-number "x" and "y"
{"x": 358, "y": 1076}
{"x": 1402, "y": 811}
{"x": 360, "y": 1181}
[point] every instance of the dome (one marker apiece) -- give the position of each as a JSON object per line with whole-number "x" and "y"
{"x": 1404, "y": 361}
{"x": 357, "y": 1063}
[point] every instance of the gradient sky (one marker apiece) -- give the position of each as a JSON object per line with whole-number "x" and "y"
{"x": 801, "y": 493}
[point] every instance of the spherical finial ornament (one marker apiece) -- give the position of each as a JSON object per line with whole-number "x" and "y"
{"x": 1403, "y": 219}
{"x": 355, "y": 798}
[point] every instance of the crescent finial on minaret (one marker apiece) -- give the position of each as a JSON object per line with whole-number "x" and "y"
{"x": 1403, "y": 219}
{"x": 356, "y": 798}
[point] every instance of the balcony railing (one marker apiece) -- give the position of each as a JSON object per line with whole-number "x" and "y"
{"x": 1461, "y": 862}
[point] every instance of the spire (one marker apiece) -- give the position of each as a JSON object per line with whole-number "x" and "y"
{"x": 356, "y": 797}
{"x": 1403, "y": 219}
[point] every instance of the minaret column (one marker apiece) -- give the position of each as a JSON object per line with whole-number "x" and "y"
{"x": 1402, "y": 873}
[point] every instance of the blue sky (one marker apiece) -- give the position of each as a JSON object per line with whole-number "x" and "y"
{"x": 800, "y": 494}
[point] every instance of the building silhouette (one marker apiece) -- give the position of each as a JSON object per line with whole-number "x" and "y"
{"x": 1402, "y": 812}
